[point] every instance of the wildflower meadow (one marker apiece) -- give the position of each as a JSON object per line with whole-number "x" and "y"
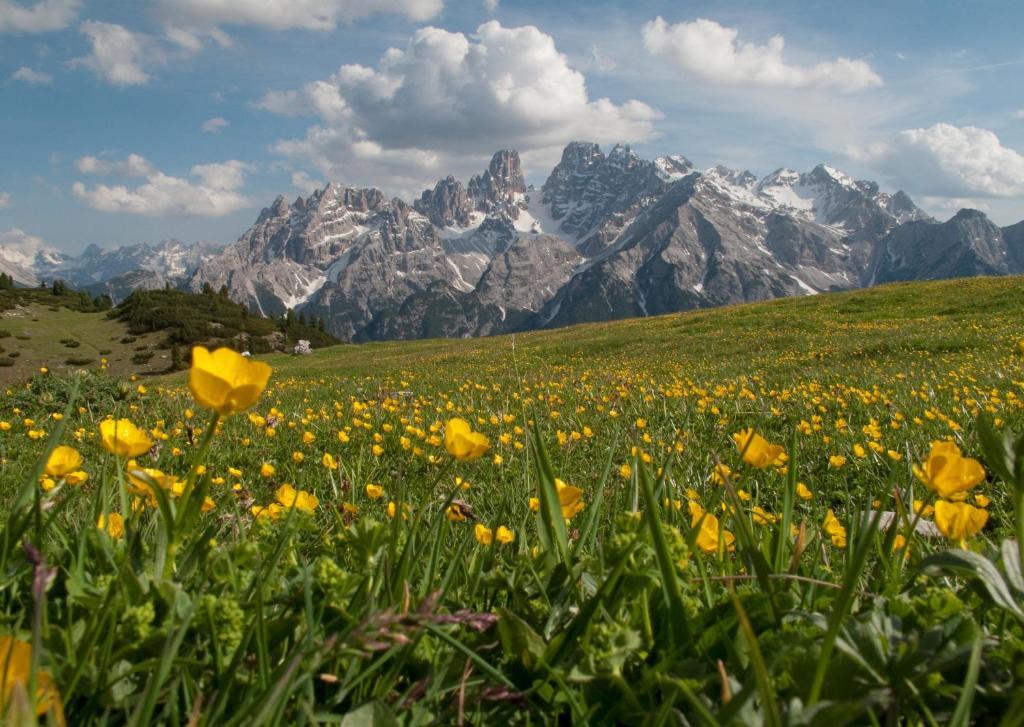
{"x": 806, "y": 512}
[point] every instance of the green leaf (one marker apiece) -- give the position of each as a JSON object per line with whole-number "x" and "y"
{"x": 519, "y": 640}
{"x": 373, "y": 714}
{"x": 970, "y": 565}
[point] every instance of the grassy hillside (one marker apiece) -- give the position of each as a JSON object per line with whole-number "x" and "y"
{"x": 617, "y": 554}
{"x": 70, "y": 331}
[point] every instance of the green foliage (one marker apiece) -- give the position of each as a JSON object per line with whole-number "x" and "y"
{"x": 393, "y": 610}
{"x": 189, "y": 319}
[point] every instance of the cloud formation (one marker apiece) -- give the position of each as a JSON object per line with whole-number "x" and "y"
{"x": 5, "y": 200}
{"x": 40, "y": 17}
{"x": 32, "y": 76}
{"x": 289, "y": 14}
{"x": 211, "y": 190}
{"x": 119, "y": 55}
{"x": 713, "y": 53}
{"x": 439, "y": 104}
{"x": 948, "y": 161}
{"x": 214, "y": 125}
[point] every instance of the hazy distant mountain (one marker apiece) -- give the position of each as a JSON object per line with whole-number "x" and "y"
{"x": 117, "y": 271}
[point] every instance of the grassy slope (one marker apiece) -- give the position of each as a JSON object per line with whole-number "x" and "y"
{"x": 830, "y": 333}
{"x": 37, "y": 331}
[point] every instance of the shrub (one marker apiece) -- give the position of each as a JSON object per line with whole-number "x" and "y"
{"x": 79, "y": 361}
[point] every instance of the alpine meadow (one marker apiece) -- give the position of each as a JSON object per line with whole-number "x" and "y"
{"x": 379, "y": 363}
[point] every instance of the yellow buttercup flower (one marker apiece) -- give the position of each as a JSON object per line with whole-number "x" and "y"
{"x": 226, "y": 381}
{"x": 121, "y": 437}
{"x": 15, "y": 666}
{"x": 836, "y": 461}
{"x": 288, "y": 496}
{"x": 328, "y": 461}
{"x": 802, "y": 492}
{"x": 711, "y": 532}
{"x": 374, "y": 492}
{"x": 113, "y": 524}
{"x": 484, "y": 535}
{"x": 569, "y": 498}
{"x": 948, "y": 473}
{"x": 758, "y": 451}
{"x": 462, "y": 442}
{"x": 835, "y": 529}
{"x": 267, "y": 470}
{"x": 958, "y": 520}
{"x": 62, "y": 461}
{"x": 504, "y": 535}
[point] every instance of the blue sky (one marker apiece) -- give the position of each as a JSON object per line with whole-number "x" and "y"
{"x": 138, "y": 121}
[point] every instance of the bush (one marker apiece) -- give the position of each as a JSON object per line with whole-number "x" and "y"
{"x": 142, "y": 357}
{"x": 80, "y": 361}
{"x": 6, "y": 361}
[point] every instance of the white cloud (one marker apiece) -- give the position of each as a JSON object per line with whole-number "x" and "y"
{"x": 948, "y": 161}
{"x": 212, "y": 190}
{"x": 5, "y": 200}
{"x": 491, "y": 6}
{"x": 212, "y": 126}
{"x": 40, "y": 17}
{"x": 443, "y": 103}
{"x": 118, "y": 56}
{"x": 288, "y": 14}
{"x": 30, "y": 75}
{"x": 942, "y": 208}
{"x": 714, "y": 54}
{"x": 1019, "y": 114}
{"x": 131, "y": 166}
{"x": 304, "y": 183}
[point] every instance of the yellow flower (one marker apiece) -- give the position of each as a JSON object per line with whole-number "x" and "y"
{"x": 570, "y": 498}
{"x": 835, "y": 529}
{"x": 721, "y": 473}
{"x": 758, "y": 451}
{"x": 958, "y": 520}
{"x": 948, "y": 473}
{"x": 377, "y": 450}
{"x": 836, "y": 461}
{"x": 226, "y": 381}
{"x": 625, "y": 471}
{"x": 762, "y": 516}
{"x": 484, "y": 535}
{"x": 982, "y": 501}
{"x": 504, "y": 535}
{"x": 15, "y": 666}
{"x": 76, "y": 478}
{"x": 113, "y": 524}
{"x": 299, "y": 499}
{"x": 308, "y": 437}
{"x": 270, "y": 512}
{"x": 802, "y": 492}
{"x": 534, "y": 504}
{"x": 925, "y": 511}
{"x": 267, "y": 470}
{"x": 374, "y": 492}
{"x": 462, "y": 442}
{"x": 455, "y": 513}
{"x": 328, "y": 461}
{"x": 710, "y": 531}
{"x": 123, "y": 438}
{"x": 62, "y": 461}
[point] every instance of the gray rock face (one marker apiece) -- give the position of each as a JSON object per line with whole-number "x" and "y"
{"x": 607, "y": 236}
{"x": 967, "y": 245}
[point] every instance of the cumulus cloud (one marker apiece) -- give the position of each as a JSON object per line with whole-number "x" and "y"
{"x": 289, "y": 14}
{"x": 212, "y": 126}
{"x": 439, "y": 104}
{"x": 40, "y": 17}
{"x": 948, "y": 161}
{"x": 714, "y": 54}
{"x": 131, "y": 166}
{"x": 119, "y": 55}
{"x": 30, "y": 75}
{"x": 211, "y": 190}
{"x": 5, "y": 200}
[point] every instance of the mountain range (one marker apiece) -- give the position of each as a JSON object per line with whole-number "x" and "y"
{"x": 606, "y": 236}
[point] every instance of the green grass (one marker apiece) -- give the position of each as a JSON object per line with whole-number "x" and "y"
{"x": 628, "y": 613}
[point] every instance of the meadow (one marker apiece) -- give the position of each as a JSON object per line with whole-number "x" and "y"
{"x": 802, "y": 512}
